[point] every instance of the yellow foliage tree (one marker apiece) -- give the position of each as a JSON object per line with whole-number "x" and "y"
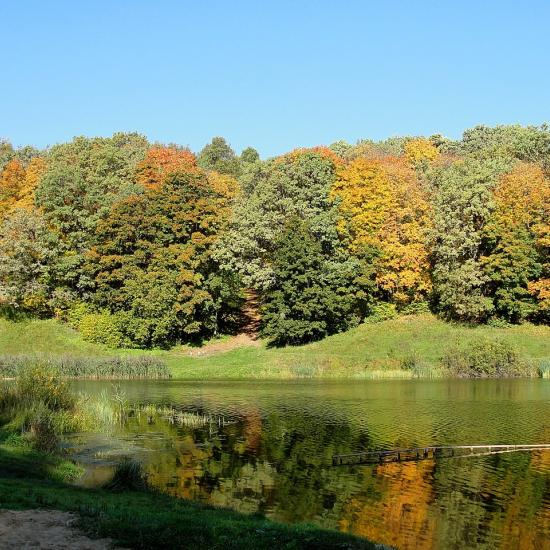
{"x": 35, "y": 170}
{"x": 519, "y": 229}
{"x": 385, "y": 213}
{"x": 420, "y": 150}
{"x": 403, "y": 269}
{"x": 223, "y": 184}
{"x": 364, "y": 191}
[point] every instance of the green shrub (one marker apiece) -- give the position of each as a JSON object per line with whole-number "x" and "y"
{"x": 498, "y": 322}
{"x": 103, "y": 328}
{"x": 410, "y": 361}
{"x": 40, "y": 406}
{"x": 416, "y": 308}
{"x": 42, "y": 431}
{"x": 486, "y": 358}
{"x": 76, "y": 312}
{"x": 382, "y": 311}
{"x": 43, "y": 383}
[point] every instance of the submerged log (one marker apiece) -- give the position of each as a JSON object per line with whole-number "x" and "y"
{"x": 432, "y": 452}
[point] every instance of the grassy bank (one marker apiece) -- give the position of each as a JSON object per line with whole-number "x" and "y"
{"x": 30, "y": 480}
{"x": 407, "y": 347}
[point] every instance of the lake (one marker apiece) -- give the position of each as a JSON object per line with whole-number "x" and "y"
{"x": 266, "y": 447}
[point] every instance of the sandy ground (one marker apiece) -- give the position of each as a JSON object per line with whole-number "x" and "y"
{"x": 212, "y": 348}
{"x": 44, "y": 529}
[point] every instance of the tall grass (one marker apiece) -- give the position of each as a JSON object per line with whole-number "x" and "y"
{"x": 128, "y": 476}
{"x": 544, "y": 368}
{"x": 39, "y": 406}
{"x": 74, "y": 366}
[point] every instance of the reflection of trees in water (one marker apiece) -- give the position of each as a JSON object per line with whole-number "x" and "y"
{"x": 393, "y": 506}
{"x": 500, "y": 501}
{"x": 280, "y": 466}
{"x": 302, "y": 449}
{"x": 493, "y": 502}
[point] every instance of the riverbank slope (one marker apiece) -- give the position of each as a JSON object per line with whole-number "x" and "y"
{"x": 406, "y": 347}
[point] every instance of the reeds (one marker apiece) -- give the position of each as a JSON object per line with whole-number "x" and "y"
{"x": 544, "y": 368}
{"x": 128, "y": 476}
{"x": 73, "y": 366}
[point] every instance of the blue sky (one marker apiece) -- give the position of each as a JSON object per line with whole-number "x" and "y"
{"x": 274, "y": 75}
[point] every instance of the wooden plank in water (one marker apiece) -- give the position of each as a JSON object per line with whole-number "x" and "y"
{"x": 437, "y": 451}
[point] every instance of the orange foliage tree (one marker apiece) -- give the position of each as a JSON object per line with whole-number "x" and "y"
{"x": 160, "y": 161}
{"x": 11, "y": 182}
{"x": 17, "y": 184}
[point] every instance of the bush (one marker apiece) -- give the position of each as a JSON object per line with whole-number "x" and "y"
{"x": 382, "y": 311}
{"x": 103, "y": 328}
{"x": 498, "y": 322}
{"x": 73, "y": 316}
{"x": 416, "y": 308}
{"x": 42, "y": 432}
{"x": 485, "y": 358}
{"x": 40, "y": 406}
{"x": 410, "y": 361}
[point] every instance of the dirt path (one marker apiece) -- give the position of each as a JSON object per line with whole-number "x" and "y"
{"x": 44, "y": 529}
{"x": 247, "y": 336}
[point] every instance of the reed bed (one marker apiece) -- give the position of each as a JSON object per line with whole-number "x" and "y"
{"x": 176, "y": 416}
{"x": 73, "y": 366}
{"x": 544, "y": 368}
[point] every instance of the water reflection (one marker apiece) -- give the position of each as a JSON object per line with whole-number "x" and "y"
{"x": 275, "y": 456}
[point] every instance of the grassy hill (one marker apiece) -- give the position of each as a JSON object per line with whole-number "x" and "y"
{"x": 400, "y": 348}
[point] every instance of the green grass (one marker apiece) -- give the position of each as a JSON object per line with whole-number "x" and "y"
{"x": 380, "y": 350}
{"x": 141, "y": 519}
{"x": 38, "y": 336}
{"x": 406, "y": 347}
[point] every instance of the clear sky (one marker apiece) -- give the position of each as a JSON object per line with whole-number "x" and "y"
{"x": 271, "y": 74}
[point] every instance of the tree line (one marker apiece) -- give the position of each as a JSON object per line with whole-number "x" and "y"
{"x": 139, "y": 244}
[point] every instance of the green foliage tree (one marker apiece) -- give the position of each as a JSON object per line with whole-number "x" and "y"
{"x": 7, "y": 153}
{"x": 28, "y": 252}
{"x": 295, "y": 185}
{"x": 82, "y": 180}
{"x": 463, "y": 204}
{"x": 249, "y": 155}
{"x": 152, "y": 262}
{"x": 218, "y": 156}
{"x": 525, "y": 143}
{"x": 313, "y": 294}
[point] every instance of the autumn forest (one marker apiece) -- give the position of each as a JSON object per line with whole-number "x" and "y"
{"x": 149, "y": 245}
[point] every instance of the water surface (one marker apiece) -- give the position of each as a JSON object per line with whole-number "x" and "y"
{"x": 269, "y": 445}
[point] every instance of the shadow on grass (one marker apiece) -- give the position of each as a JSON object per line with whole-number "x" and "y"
{"x": 143, "y": 519}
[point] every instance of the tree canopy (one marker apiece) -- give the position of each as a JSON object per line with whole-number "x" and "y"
{"x": 150, "y": 245}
